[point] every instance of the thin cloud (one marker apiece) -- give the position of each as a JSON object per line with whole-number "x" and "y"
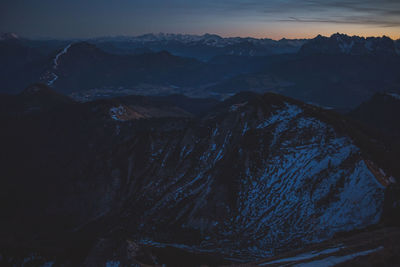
{"x": 345, "y": 20}
{"x": 383, "y": 13}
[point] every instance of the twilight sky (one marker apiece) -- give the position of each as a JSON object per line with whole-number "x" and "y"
{"x": 258, "y": 18}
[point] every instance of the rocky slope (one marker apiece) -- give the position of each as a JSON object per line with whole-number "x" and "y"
{"x": 253, "y": 176}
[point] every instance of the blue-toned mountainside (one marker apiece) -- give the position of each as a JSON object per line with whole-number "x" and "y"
{"x": 130, "y": 180}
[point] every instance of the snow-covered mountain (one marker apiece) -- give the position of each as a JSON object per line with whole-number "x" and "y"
{"x": 352, "y": 45}
{"x": 207, "y": 39}
{"x": 202, "y": 47}
{"x": 8, "y": 36}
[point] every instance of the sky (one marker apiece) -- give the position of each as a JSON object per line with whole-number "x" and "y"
{"x": 274, "y": 19}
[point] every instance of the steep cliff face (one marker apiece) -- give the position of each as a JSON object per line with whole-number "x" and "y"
{"x": 254, "y": 176}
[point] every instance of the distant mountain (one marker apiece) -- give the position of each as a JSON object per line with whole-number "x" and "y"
{"x": 141, "y": 180}
{"x": 332, "y": 80}
{"x": 202, "y": 47}
{"x": 83, "y": 66}
{"x": 35, "y": 98}
{"x": 14, "y": 55}
{"x": 21, "y": 64}
{"x": 350, "y": 45}
{"x": 323, "y": 72}
{"x": 8, "y": 36}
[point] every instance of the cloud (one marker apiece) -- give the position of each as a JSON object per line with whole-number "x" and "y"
{"x": 347, "y": 20}
{"x": 381, "y": 13}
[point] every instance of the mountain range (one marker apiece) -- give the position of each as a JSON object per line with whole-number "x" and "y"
{"x": 202, "y": 47}
{"x": 337, "y": 72}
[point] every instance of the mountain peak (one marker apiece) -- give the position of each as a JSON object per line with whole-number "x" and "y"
{"x": 8, "y": 36}
{"x": 45, "y": 93}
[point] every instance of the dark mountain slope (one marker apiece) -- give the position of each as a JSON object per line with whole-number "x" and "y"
{"x": 381, "y": 112}
{"x": 338, "y": 81}
{"x": 253, "y": 176}
{"x": 20, "y": 64}
{"x": 35, "y": 98}
{"x": 379, "y": 116}
{"x": 83, "y": 66}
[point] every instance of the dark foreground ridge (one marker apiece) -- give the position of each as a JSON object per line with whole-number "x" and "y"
{"x": 136, "y": 179}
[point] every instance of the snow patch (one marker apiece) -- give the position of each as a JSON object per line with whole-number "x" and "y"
{"x": 310, "y": 185}
{"x": 290, "y": 112}
{"x": 116, "y": 112}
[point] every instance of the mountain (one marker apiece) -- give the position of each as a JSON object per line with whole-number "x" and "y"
{"x": 397, "y": 44}
{"x": 8, "y": 36}
{"x": 340, "y": 81}
{"x": 85, "y": 71}
{"x": 380, "y": 113}
{"x": 351, "y": 45}
{"x": 15, "y": 57}
{"x": 379, "y": 116}
{"x": 321, "y": 73}
{"x": 83, "y": 66}
{"x": 35, "y": 98}
{"x": 203, "y": 47}
{"x": 138, "y": 179}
